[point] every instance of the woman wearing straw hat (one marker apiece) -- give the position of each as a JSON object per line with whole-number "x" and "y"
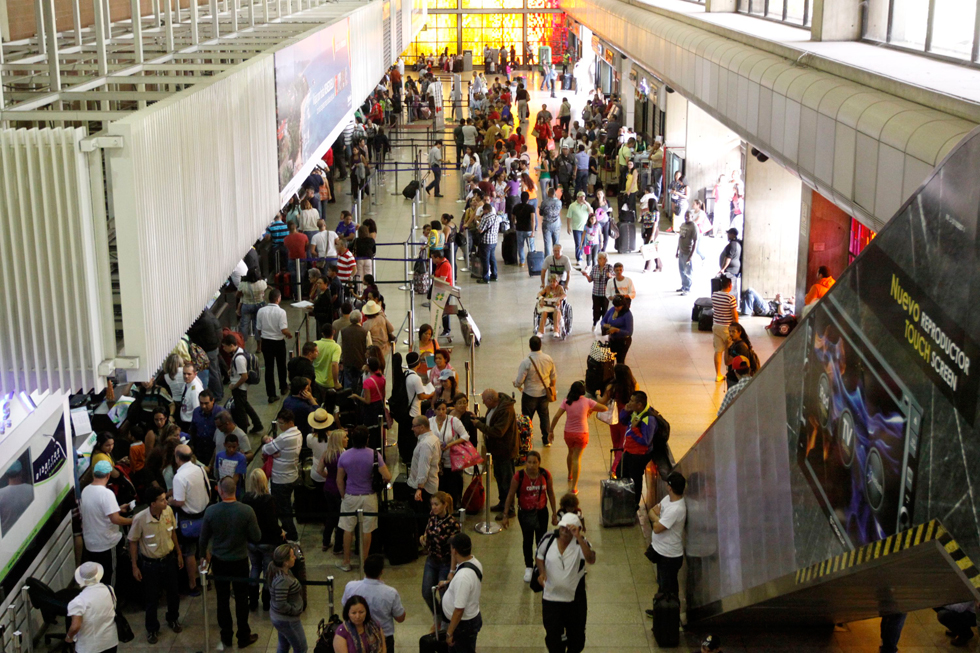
{"x": 92, "y": 612}
{"x": 382, "y": 331}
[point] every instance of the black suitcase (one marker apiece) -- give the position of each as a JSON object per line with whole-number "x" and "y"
{"x": 667, "y": 621}
{"x": 397, "y": 525}
{"x": 535, "y": 261}
{"x": 510, "y": 247}
{"x": 700, "y": 304}
{"x": 434, "y": 642}
{"x": 411, "y": 189}
{"x": 308, "y": 504}
{"x": 476, "y": 266}
{"x": 400, "y": 489}
{"x": 598, "y": 375}
{"x": 626, "y": 243}
{"x": 617, "y": 499}
{"x": 706, "y": 320}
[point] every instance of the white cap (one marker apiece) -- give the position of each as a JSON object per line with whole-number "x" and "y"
{"x": 570, "y": 519}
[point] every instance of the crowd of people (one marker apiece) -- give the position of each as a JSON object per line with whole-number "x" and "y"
{"x": 214, "y": 499}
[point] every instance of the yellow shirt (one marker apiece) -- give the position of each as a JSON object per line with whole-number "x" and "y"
{"x": 154, "y": 535}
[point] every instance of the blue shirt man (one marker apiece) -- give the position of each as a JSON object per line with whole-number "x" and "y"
{"x": 384, "y": 601}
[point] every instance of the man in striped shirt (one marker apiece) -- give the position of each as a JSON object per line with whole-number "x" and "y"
{"x": 276, "y": 232}
{"x": 724, "y": 307}
{"x": 489, "y": 224}
{"x": 345, "y": 261}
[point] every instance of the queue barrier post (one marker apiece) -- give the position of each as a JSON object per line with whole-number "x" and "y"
{"x": 18, "y": 641}
{"x": 204, "y": 606}
{"x": 487, "y": 527}
{"x": 360, "y": 527}
{"x": 408, "y": 267}
{"x": 27, "y": 614}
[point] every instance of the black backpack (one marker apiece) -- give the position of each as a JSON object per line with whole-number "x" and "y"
{"x": 251, "y": 366}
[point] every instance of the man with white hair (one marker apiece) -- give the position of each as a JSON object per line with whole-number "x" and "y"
{"x": 561, "y": 560}
{"x": 92, "y": 612}
{"x": 101, "y": 519}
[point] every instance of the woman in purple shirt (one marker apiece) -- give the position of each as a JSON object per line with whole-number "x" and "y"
{"x": 618, "y": 325}
{"x": 359, "y": 633}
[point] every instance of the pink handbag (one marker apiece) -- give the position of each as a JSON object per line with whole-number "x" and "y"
{"x": 463, "y": 455}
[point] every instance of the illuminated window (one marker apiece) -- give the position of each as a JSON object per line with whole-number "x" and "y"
{"x": 442, "y": 4}
{"x": 796, "y": 12}
{"x": 905, "y": 24}
{"x": 494, "y": 30}
{"x": 542, "y": 4}
{"x": 439, "y": 34}
{"x": 493, "y": 4}
{"x": 548, "y": 29}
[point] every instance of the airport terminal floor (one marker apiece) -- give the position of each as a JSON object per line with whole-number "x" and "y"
{"x": 671, "y": 361}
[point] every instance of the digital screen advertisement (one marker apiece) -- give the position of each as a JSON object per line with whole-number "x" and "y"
{"x": 313, "y": 95}
{"x": 863, "y": 423}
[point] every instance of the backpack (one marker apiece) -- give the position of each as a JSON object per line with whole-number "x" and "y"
{"x": 198, "y": 356}
{"x": 663, "y": 427}
{"x": 536, "y": 585}
{"x": 781, "y": 326}
{"x": 251, "y": 367}
{"x": 525, "y": 438}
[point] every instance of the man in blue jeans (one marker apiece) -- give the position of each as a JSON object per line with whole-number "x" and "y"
{"x": 489, "y": 224}
{"x": 581, "y": 169}
{"x": 551, "y": 218}
{"x": 577, "y": 215}
{"x": 526, "y": 223}
{"x": 435, "y": 165}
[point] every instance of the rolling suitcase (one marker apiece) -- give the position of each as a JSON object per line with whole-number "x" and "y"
{"x": 700, "y": 304}
{"x": 410, "y": 190}
{"x": 284, "y": 284}
{"x": 398, "y": 530}
{"x": 476, "y": 266}
{"x": 535, "y": 261}
{"x": 307, "y": 496}
{"x": 510, "y": 247}
{"x": 667, "y": 621}
{"x": 626, "y": 243}
{"x": 400, "y": 489}
{"x": 617, "y": 499}
{"x": 706, "y": 319}
{"x": 328, "y": 627}
{"x": 434, "y": 642}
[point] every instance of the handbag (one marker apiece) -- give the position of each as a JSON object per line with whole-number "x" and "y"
{"x": 609, "y": 416}
{"x": 613, "y": 230}
{"x": 377, "y": 480}
{"x": 123, "y": 630}
{"x": 463, "y": 455}
{"x": 550, "y": 389}
{"x": 600, "y": 352}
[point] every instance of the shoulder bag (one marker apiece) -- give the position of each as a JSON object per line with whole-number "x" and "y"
{"x": 536, "y": 585}
{"x": 190, "y": 524}
{"x": 551, "y": 390}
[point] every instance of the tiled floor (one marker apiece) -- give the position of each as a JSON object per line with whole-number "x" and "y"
{"x": 673, "y": 363}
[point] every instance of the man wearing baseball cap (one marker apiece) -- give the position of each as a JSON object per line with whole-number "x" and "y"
{"x": 666, "y": 548}
{"x": 743, "y": 370}
{"x": 101, "y": 519}
{"x": 561, "y": 560}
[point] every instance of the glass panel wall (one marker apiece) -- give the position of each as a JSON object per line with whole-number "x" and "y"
{"x": 945, "y": 28}
{"x": 441, "y": 32}
{"x": 793, "y": 12}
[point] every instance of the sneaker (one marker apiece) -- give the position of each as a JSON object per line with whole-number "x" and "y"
{"x": 445, "y": 334}
{"x": 342, "y": 567}
{"x": 683, "y": 293}
{"x": 257, "y": 430}
{"x": 527, "y": 574}
{"x": 152, "y": 638}
{"x": 175, "y": 626}
{"x": 196, "y": 591}
{"x": 679, "y": 290}
{"x": 493, "y": 278}
{"x": 555, "y": 334}
{"x": 482, "y": 281}
{"x": 273, "y": 400}
{"x": 464, "y": 269}
{"x": 649, "y": 613}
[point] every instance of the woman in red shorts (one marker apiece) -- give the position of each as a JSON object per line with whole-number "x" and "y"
{"x": 578, "y": 407}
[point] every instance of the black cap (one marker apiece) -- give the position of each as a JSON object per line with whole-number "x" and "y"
{"x": 733, "y": 230}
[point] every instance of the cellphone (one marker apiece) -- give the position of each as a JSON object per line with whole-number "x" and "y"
{"x": 132, "y": 504}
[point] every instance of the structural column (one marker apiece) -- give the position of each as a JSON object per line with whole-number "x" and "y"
{"x": 836, "y": 20}
{"x": 771, "y": 239}
{"x": 712, "y": 150}
{"x": 627, "y": 96}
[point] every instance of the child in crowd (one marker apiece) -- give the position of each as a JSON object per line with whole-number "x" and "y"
{"x": 231, "y": 462}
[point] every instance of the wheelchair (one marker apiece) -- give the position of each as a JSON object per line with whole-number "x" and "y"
{"x": 564, "y": 325}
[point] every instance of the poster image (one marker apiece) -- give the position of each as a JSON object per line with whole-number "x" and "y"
{"x": 16, "y": 491}
{"x": 313, "y": 95}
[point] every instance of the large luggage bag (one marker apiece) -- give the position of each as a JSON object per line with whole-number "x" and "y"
{"x": 598, "y": 375}
{"x": 535, "y": 261}
{"x": 700, "y": 305}
{"x": 434, "y": 642}
{"x": 617, "y": 500}
{"x": 626, "y": 243}
{"x": 476, "y": 266}
{"x": 410, "y": 190}
{"x": 510, "y": 247}
{"x": 284, "y": 284}
{"x": 706, "y": 319}
{"x": 667, "y": 621}
{"x": 397, "y": 524}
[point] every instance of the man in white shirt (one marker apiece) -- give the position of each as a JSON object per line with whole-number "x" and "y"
{"x": 323, "y": 242}
{"x": 242, "y": 410}
{"x": 191, "y": 497}
{"x": 273, "y": 329}
{"x": 620, "y": 285}
{"x": 92, "y": 612}
{"x": 435, "y": 165}
{"x": 285, "y": 468}
{"x": 535, "y": 375}
{"x": 461, "y": 596}
{"x": 667, "y": 541}
{"x": 101, "y": 519}
{"x": 415, "y": 391}
{"x": 424, "y": 472}
{"x": 190, "y": 398}
{"x": 561, "y": 561}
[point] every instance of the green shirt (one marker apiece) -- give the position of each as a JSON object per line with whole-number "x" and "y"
{"x": 329, "y": 353}
{"x": 625, "y": 154}
{"x": 578, "y": 215}
{"x": 229, "y": 526}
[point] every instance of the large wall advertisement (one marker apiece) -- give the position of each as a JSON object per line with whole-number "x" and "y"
{"x": 864, "y": 422}
{"x": 313, "y": 96}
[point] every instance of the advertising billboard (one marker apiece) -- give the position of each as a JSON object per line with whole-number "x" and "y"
{"x": 313, "y": 96}
{"x": 863, "y": 424}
